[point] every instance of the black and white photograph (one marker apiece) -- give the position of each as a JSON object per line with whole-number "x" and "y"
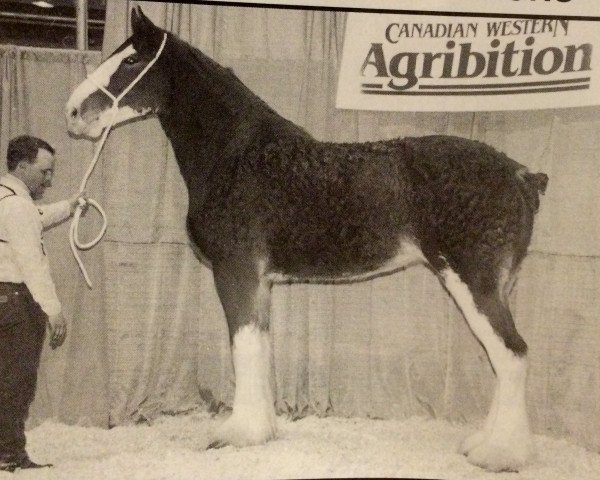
{"x": 299, "y": 239}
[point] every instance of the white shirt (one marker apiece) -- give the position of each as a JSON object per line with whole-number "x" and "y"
{"x": 22, "y": 255}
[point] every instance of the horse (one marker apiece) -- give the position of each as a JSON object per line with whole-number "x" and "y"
{"x": 270, "y": 203}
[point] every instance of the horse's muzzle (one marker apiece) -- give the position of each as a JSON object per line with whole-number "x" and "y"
{"x": 77, "y": 125}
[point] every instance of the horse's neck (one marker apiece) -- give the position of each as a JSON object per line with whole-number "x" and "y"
{"x": 195, "y": 117}
{"x": 205, "y": 117}
{"x": 199, "y": 140}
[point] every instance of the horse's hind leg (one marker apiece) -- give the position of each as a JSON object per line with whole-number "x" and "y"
{"x": 504, "y": 443}
{"x": 245, "y": 296}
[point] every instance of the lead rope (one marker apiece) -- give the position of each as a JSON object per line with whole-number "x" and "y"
{"x": 74, "y": 230}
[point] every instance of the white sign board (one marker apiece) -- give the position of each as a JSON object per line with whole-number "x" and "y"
{"x": 452, "y": 63}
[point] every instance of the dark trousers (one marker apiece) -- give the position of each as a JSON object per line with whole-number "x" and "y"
{"x": 22, "y": 331}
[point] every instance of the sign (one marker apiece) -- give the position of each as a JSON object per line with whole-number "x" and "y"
{"x": 451, "y": 63}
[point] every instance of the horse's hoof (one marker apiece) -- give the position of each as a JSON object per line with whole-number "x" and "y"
{"x": 472, "y": 441}
{"x": 510, "y": 457}
{"x": 239, "y": 431}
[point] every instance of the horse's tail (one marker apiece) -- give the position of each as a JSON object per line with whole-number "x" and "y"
{"x": 532, "y": 185}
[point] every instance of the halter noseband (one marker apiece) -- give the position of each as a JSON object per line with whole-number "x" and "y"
{"x": 74, "y": 230}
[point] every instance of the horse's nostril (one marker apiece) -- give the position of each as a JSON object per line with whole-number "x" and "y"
{"x": 74, "y": 113}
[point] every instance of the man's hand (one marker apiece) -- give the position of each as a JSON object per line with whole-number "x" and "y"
{"x": 77, "y": 199}
{"x": 58, "y": 330}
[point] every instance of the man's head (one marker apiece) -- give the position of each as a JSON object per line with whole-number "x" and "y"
{"x": 31, "y": 159}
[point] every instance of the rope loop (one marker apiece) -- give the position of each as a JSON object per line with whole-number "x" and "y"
{"x": 74, "y": 235}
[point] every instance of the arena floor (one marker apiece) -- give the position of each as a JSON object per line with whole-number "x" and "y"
{"x": 173, "y": 448}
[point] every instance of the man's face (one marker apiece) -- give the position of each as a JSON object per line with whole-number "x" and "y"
{"x": 38, "y": 175}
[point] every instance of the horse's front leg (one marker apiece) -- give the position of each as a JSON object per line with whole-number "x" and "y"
{"x": 245, "y": 295}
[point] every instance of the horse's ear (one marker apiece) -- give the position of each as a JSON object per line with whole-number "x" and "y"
{"x": 140, "y": 23}
{"x": 144, "y": 31}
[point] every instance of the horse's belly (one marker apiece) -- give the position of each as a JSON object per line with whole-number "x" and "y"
{"x": 406, "y": 255}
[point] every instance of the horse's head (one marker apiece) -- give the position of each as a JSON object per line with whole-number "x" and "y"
{"x": 89, "y": 109}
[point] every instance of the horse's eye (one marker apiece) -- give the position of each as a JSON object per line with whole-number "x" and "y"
{"x": 131, "y": 59}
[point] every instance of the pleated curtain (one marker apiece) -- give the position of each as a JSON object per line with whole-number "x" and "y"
{"x": 153, "y": 332}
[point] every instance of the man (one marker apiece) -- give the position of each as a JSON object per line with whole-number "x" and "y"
{"x": 28, "y": 300}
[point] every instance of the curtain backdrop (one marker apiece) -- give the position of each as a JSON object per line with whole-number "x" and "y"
{"x": 151, "y": 337}
{"x": 35, "y": 84}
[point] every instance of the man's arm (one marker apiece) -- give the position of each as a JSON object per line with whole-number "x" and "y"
{"x": 23, "y": 236}
{"x": 53, "y": 213}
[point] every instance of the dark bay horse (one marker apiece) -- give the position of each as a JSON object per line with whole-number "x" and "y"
{"x": 269, "y": 203}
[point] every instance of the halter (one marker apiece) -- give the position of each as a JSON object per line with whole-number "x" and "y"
{"x": 74, "y": 230}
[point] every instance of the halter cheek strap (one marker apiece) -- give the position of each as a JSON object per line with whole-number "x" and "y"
{"x": 74, "y": 230}
{"x": 117, "y": 99}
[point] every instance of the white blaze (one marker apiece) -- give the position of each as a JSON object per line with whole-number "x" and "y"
{"x": 92, "y": 123}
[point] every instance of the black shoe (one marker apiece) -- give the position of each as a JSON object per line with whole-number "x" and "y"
{"x": 27, "y": 463}
{"x": 21, "y": 460}
{"x": 8, "y": 466}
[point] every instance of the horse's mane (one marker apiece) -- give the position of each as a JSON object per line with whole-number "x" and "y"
{"x": 221, "y": 81}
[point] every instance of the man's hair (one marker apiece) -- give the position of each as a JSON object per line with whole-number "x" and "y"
{"x": 24, "y": 148}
